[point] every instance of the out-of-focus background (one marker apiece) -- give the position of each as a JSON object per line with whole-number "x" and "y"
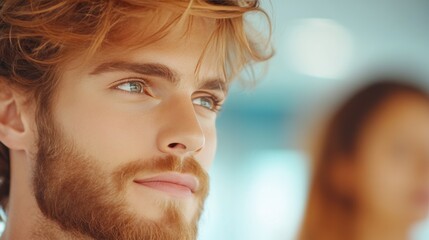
{"x": 260, "y": 177}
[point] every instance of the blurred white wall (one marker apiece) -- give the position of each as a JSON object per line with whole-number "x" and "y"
{"x": 260, "y": 175}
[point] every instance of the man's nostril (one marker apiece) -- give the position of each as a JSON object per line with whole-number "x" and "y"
{"x": 176, "y": 145}
{"x": 172, "y": 145}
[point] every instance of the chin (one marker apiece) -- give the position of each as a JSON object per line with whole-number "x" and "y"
{"x": 419, "y": 216}
{"x": 422, "y": 216}
{"x": 154, "y": 207}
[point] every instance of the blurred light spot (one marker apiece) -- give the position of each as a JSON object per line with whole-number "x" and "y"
{"x": 277, "y": 195}
{"x": 2, "y": 227}
{"x": 421, "y": 232}
{"x": 320, "y": 48}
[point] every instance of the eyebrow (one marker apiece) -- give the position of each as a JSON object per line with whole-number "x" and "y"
{"x": 157, "y": 70}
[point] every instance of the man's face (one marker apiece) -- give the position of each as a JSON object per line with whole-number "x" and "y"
{"x": 131, "y": 138}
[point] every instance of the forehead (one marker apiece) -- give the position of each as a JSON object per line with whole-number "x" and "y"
{"x": 402, "y": 113}
{"x": 183, "y": 50}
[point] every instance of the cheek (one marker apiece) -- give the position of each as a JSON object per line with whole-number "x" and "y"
{"x": 386, "y": 185}
{"x": 106, "y": 131}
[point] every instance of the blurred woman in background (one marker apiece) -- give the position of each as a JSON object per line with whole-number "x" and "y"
{"x": 371, "y": 172}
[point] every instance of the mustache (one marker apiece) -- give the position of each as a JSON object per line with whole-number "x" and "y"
{"x": 168, "y": 163}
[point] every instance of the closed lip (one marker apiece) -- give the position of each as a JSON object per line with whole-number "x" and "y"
{"x": 179, "y": 179}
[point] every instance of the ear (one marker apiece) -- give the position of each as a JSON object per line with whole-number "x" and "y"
{"x": 13, "y": 134}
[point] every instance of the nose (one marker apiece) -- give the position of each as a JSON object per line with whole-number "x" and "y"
{"x": 181, "y": 133}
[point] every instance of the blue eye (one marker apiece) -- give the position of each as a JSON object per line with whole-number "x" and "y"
{"x": 206, "y": 102}
{"x": 132, "y": 87}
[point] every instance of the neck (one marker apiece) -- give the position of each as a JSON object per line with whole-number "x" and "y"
{"x": 375, "y": 228}
{"x": 24, "y": 218}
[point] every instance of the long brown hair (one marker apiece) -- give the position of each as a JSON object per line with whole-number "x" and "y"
{"x": 329, "y": 214}
{"x": 37, "y": 37}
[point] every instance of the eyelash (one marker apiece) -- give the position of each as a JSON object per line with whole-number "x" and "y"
{"x": 217, "y": 107}
{"x": 143, "y": 82}
{"x": 217, "y": 102}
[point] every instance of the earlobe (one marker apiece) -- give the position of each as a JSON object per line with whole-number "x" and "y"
{"x": 12, "y": 130}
